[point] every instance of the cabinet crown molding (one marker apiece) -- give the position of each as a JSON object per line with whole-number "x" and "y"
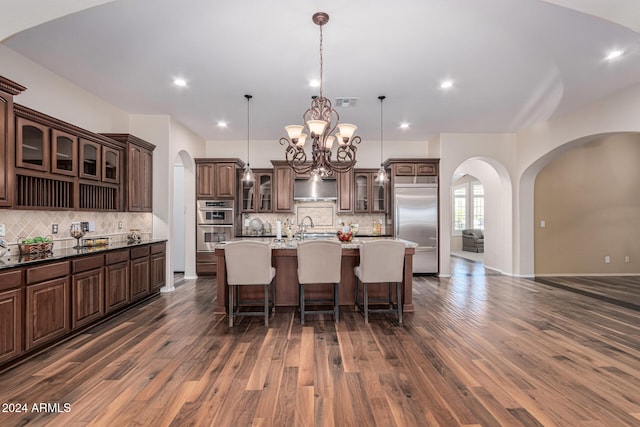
{"x": 10, "y": 86}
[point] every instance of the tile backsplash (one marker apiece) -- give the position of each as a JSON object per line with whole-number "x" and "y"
{"x": 32, "y": 223}
{"x": 324, "y": 216}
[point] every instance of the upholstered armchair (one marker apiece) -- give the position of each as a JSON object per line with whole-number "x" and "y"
{"x": 473, "y": 240}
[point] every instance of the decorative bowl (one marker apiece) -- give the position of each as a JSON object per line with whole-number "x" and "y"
{"x": 345, "y": 237}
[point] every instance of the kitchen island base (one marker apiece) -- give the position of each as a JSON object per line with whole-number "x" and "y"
{"x": 285, "y": 262}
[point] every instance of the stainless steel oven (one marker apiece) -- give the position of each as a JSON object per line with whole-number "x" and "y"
{"x": 215, "y": 223}
{"x": 209, "y": 235}
{"x": 216, "y": 212}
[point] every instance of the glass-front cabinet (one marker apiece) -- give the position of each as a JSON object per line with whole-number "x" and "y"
{"x": 110, "y": 165}
{"x": 370, "y": 195}
{"x": 256, "y": 195}
{"x": 32, "y": 145}
{"x": 64, "y": 153}
{"x": 90, "y": 158}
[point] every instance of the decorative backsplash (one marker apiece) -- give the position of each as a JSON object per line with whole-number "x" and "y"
{"x": 32, "y": 223}
{"x": 324, "y": 216}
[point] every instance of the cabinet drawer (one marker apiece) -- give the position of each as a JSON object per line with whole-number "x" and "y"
{"x": 87, "y": 263}
{"x": 47, "y": 271}
{"x": 117, "y": 256}
{"x": 139, "y": 252}
{"x": 426, "y": 169}
{"x": 405, "y": 169}
{"x": 158, "y": 248}
{"x": 205, "y": 257}
{"x": 10, "y": 279}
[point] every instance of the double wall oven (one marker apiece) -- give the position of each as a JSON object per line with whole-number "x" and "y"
{"x": 214, "y": 223}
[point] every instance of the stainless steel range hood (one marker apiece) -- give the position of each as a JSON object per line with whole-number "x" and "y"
{"x": 305, "y": 190}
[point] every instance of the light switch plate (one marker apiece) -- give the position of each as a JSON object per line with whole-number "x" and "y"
{"x": 3, "y": 230}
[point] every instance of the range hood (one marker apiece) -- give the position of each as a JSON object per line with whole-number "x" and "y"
{"x": 325, "y": 189}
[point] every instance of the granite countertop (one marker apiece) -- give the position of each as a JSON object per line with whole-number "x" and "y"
{"x": 58, "y": 254}
{"x": 293, "y": 243}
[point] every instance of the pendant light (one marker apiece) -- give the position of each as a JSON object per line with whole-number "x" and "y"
{"x": 248, "y": 175}
{"x": 381, "y": 176}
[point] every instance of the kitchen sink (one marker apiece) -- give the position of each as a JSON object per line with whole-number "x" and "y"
{"x": 320, "y": 236}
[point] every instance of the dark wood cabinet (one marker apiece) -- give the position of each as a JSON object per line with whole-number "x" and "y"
{"x": 216, "y": 178}
{"x": 283, "y": 180}
{"x": 256, "y": 196}
{"x": 8, "y": 89}
{"x": 370, "y": 195}
{"x": 157, "y": 265}
{"x": 11, "y": 315}
{"x": 110, "y": 165}
{"x": 139, "y": 269}
{"x": 87, "y": 290}
{"x": 345, "y": 183}
{"x": 205, "y": 263}
{"x": 90, "y": 158}
{"x": 64, "y": 153}
{"x": 32, "y": 145}
{"x": 47, "y": 316}
{"x": 116, "y": 280}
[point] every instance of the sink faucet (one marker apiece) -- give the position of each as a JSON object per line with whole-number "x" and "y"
{"x": 302, "y": 227}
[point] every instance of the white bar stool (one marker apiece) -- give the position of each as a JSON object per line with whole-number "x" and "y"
{"x": 380, "y": 261}
{"x": 249, "y": 264}
{"x": 319, "y": 262}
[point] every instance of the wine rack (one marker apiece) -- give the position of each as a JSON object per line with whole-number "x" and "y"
{"x": 34, "y": 192}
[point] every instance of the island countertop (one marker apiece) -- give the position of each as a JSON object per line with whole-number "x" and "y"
{"x": 285, "y": 260}
{"x": 293, "y": 243}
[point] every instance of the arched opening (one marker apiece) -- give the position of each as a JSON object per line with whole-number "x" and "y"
{"x": 498, "y": 219}
{"x": 578, "y": 207}
{"x": 183, "y": 223}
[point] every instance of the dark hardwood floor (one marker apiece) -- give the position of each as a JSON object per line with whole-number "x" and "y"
{"x": 480, "y": 350}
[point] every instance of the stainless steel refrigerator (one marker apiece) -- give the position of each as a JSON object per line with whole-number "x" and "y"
{"x": 416, "y": 219}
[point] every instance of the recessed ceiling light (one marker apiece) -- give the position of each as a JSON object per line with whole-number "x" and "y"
{"x": 614, "y": 54}
{"x": 314, "y": 83}
{"x": 222, "y": 124}
{"x": 446, "y": 84}
{"x": 179, "y": 82}
{"x": 404, "y": 125}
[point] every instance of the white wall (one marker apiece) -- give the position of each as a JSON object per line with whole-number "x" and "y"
{"x": 51, "y": 94}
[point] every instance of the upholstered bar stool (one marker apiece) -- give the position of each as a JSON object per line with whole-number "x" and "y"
{"x": 319, "y": 263}
{"x": 381, "y": 261}
{"x": 248, "y": 264}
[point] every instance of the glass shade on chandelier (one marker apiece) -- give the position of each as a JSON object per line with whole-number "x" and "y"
{"x": 321, "y": 121}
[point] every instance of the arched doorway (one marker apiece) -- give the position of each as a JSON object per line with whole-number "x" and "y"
{"x": 183, "y": 223}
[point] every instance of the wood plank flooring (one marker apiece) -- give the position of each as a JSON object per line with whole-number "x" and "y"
{"x": 480, "y": 350}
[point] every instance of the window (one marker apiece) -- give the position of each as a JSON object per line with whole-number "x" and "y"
{"x": 468, "y": 206}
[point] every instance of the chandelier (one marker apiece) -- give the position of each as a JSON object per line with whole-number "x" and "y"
{"x": 321, "y": 122}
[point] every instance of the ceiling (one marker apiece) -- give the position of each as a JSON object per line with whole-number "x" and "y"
{"x": 513, "y": 63}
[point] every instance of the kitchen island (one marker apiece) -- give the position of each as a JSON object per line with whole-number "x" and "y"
{"x": 284, "y": 259}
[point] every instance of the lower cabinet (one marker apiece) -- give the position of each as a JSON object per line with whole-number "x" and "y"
{"x": 47, "y": 316}
{"x": 116, "y": 281}
{"x": 139, "y": 273}
{"x": 87, "y": 293}
{"x": 157, "y": 264}
{"x": 10, "y": 324}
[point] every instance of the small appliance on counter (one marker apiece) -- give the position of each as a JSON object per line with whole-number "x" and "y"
{"x": 134, "y": 236}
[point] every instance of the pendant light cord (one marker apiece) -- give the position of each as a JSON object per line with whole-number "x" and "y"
{"x": 248, "y": 101}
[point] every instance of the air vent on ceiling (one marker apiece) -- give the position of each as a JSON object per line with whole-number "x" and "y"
{"x": 346, "y": 102}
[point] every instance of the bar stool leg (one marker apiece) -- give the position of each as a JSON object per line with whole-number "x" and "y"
{"x": 399, "y": 298}
{"x": 302, "y": 304}
{"x": 366, "y": 302}
{"x": 336, "y": 306}
{"x": 230, "y": 314}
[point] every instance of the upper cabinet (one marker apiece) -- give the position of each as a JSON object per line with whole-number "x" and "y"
{"x": 370, "y": 195}
{"x": 283, "y": 180}
{"x": 32, "y": 145}
{"x": 64, "y": 153}
{"x": 255, "y": 196}
{"x": 345, "y": 192}
{"x": 8, "y": 89}
{"x": 216, "y": 178}
{"x": 138, "y": 183}
{"x": 90, "y": 160}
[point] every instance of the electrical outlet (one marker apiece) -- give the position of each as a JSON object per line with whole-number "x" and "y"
{"x": 54, "y": 229}
{"x": 119, "y": 225}
{"x": 3, "y": 230}
{"x": 607, "y": 259}
{"x": 543, "y": 224}
{"x": 627, "y": 259}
